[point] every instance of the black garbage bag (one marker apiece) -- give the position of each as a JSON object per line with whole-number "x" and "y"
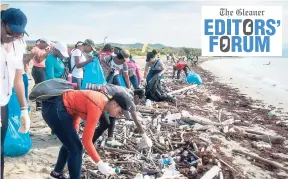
{"x": 155, "y": 92}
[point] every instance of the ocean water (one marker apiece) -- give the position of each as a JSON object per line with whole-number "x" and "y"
{"x": 254, "y": 77}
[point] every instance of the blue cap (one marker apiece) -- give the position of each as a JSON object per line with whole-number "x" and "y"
{"x": 15, "y": 19}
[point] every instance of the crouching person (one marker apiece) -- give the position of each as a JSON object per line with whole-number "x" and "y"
{"x": 135, "y": 97}
{"x": 63, "y": 114}
{"x": 179, "y": 66}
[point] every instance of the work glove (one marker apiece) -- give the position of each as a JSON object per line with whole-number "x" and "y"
{"x": 145, "y": 142}
{"x": 25, "y": 121}
{"x": 105, "y": 169}
{"x": 143, "y": 82}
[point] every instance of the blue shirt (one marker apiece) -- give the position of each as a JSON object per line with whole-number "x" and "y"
{"x": 54, "y": 67}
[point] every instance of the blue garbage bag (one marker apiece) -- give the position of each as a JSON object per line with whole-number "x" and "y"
{"x": 193, "y": 78}
{"x": 93, "y": 74}
{"x": 16, "y": 144}
{"x": 122, "y": 81}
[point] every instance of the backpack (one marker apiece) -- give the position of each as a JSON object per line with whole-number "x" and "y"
{"x": 50, "y": 88}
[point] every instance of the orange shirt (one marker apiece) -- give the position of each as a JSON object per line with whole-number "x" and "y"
{"x": 38, "y": 52}
{"x": 87, "y": 105}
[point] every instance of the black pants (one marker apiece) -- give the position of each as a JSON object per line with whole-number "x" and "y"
{"x": 60, "y": 121}
{"x": 4, "y": 121}
{"x": 39, "y": 75}
{"x": 105, "y": 123}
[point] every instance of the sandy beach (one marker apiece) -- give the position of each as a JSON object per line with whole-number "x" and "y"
{"x": 232, "y": 102}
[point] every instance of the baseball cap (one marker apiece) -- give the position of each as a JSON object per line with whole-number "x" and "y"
{"x": 126, "y": 54}
{"x": 62, "y": 47}
{"x": 15, "y": 19}
{"x": 90, "y": 43}
{"x": 122, "y": 100}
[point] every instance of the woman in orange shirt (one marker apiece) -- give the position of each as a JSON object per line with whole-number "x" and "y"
{"x": 63, "y": 115}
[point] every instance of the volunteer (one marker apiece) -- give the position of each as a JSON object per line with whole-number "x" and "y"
{"x": 39, "y": 53}
{"x": 55, "y": 67}
{"x": 106, "y": 51}
{"x": 63, "y": 115}
{"x": 134, "y": 73}
{"x": 113, "y": 66}
{"x": 78, "y": 61}
{"x": 155, "y": 66}
{"x": 13, "y": 23}
{"x": 106, "y": 122}
{"x": 179, "y": 66}
{"x": 89, "y": 48}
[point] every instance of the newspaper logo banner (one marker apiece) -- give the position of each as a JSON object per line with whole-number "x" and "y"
{"x": 242, "y": 31}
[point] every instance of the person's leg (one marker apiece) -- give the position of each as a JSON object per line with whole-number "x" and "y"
{"x": 116, "y": 80}
{"x": 174, "y": 70}
{"x": 39, "y": 75}
{"x": 103, "y": 126}
{"x": 186, "y": 71}
{"x": 26, "y": 84}
{"x": 111, "y": 128}
{"x": 58, "y": 119}
{"x": 4, "y": 122}
{"x": 178, "y": 74}
{"x": 78, "y": 81}
{"x": 134, "y": 81}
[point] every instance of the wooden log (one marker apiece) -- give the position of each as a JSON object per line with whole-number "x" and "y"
{"x": 210, "y": 174}
{"x": 266, "y": 138}
{"x": 266, "y": 161}
{"x": 183, "y": 89}
{"x": 200, "y": 120}
{"x": 120, "y": 150}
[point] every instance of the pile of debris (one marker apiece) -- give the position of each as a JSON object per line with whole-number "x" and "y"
{"x": 184, "y": 143}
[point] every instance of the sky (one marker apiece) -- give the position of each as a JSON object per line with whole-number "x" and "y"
{"x": 172, "y": 23}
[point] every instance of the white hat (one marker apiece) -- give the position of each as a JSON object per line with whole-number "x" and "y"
{"x": 62, "y": 47}
{"x": 46, "y": 40}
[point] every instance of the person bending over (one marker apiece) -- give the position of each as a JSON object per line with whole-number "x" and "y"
{"x": 179, "y": 66}
{"x": 63, "y": 115}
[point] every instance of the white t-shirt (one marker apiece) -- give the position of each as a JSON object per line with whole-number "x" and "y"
{"x": 9, "y": 63}
{"x": 77, "y": 72}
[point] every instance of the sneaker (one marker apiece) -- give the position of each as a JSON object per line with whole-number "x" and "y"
{"x": 113, "y": 143}
{"x": 53, "y": 175}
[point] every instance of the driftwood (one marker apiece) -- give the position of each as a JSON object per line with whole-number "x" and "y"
{"x": 210, "y": 174}
{"x": 120, "y": 150}
{"x": 183, "y": 89}
{"x": 200, "y": 120}
{"x": 266, "y": 161}
{"x": 266, "y": 138}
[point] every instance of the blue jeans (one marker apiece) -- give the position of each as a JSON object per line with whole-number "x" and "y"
{"x": 56, "y": 116}
{"x": 134, "y": 81}
{"x": 78, "y": 81}
{"x": 116, "y": 80}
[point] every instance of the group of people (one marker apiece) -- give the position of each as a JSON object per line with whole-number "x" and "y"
{"x": 63, "y": 113}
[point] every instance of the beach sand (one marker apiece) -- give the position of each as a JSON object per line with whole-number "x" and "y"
{"x": 38, "y": 163}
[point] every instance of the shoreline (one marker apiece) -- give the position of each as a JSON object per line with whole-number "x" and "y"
{"x": 243, "y": 110}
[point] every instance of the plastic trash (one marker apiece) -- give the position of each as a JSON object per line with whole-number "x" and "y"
{"x": 93, "y": 74}
{"x": 148, "y": 102}
{"x": 139, "y": 176}
{"x": 117, "y": 171}
{"x": 193, "y": 78}
{"x": 16, "y": 144}
{"x": 146, "y": 177}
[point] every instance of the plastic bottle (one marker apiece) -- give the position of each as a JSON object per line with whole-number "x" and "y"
{"x": 139, "y": 176}
{"x": 117, "y": 171}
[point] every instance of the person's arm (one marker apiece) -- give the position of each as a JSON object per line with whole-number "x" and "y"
{"x": 49, "y": 69}
{"x": 138, "y": 74}
{"x": 105, "y": 65}
{"x": 135, "y": 118}
{"x": 146, "y": 70}
{"x": 126, "y": 75}
{"x": 43, "y": 57}
{"x": 93, "y": 116}
{"x": 79, "y": 64}
{"x": 163, "y": 68}
{"x": 19, "y": 88}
